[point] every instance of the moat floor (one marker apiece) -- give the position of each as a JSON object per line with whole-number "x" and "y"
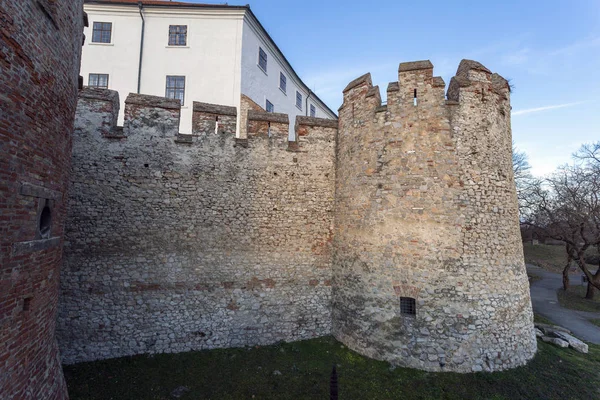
{"x": 302, "y": 370}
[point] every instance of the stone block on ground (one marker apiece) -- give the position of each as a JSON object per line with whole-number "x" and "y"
{"x": 573, "y": 341}
{"x": 555, "y": 341}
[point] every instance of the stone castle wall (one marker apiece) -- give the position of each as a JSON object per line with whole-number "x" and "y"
{"x": 395, "y": 229}
{"x": 179, "y": 242}
{"x": 40, "y": 45}
{"x": 426, "y": 210}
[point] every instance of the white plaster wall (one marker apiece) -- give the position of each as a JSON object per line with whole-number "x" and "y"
{"x": 118, "y": 59}
{"x": 210, "y": 61}
{"x": 260, "y": 86}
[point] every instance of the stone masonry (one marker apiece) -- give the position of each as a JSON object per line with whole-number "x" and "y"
{"x": 395, "y": 230}
{"x": 426, "y": 209}
{"x": 178, "y": 242}
{"x": 40, "y": 47}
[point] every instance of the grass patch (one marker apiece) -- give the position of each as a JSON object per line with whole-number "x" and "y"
{"x": 305, "y": 370}
{"x": 542, "y": 320}
{"x": 595, "y": 322}
{"x": 533, "y": 277}
{"x": 550, "y": 258}
{"x": 574, "y": 298}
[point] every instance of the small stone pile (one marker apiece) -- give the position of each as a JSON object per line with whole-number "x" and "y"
{"x": 560, "y": 337}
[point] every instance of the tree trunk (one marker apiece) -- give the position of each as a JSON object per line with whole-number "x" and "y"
{"x": 590, "y": 292}
{"x": 565, "y": 277}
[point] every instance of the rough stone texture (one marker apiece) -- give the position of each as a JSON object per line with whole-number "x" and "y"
{"x": 211, "y": 118}
{"x": 573, "y": 341}
{"x": 183, "y": 242}
{"x": 247, "y": 105}
{"x": 40, "y": 45}
{"x": 183, "y": 246}
{"x": 426, "y": 208}
{"x": 556, "y": 341}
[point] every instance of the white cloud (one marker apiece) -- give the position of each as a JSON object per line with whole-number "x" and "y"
{"x": 545, "y": 108}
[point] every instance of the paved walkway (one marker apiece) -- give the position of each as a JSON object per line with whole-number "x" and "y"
{"x": 545, "y": 302}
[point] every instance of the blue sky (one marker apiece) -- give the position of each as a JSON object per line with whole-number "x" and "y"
{"x": 550, "y": 50}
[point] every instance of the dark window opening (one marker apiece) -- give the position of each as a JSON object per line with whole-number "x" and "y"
{"x": 415, "y": 98}
{"x": 102, "y": 32}
{"x": 408, "y": 306}
{"x": 45, "y": 222}
{"x": 282, "y": 82}
{"x": 177, "y": 35}
{"x": 176, "y": 88}
{"x": 27, "y": 303}
{"x": 270, "y": 107}
{"x": 313, "y": 111}
{"x": 98, "y": 81}
{"x": 262, "y": 59}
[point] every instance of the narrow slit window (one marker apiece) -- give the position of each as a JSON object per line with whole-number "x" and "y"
{"x": 408, "y": 306}
{"x": 415, "y": 98}
{"x": 313, "y": 111}
{"x": 217, "y": 124}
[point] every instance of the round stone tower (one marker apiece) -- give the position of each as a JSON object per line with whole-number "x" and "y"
{"x": 428, "y": 262}
{"x": 39, "y": 68}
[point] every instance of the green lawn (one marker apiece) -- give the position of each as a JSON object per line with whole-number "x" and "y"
{"x": 305, "y": 369}
{"x": 595, "y": 321}
{"x": 574, "y": 298}
{"x": 551, "y": 258}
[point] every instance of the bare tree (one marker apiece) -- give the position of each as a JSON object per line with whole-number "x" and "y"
{"x": 524, "y": 181}
{"x": 566, "y": 207}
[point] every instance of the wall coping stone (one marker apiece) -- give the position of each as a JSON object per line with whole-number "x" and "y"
{"x": 214, "y": 108}
{"x": 268, "y": 117}
{"x": 415, "y": 66}
{"x": 153, "y": 101}
{"x": 313, "y": 121}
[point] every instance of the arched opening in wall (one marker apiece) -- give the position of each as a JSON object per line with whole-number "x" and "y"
{"x": 408, "y": 306}
{"x": 45, "y": 222}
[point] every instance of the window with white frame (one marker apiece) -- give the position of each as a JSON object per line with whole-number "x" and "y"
{"x": 313, "y": 111}
{"x": 270, "y": 107}
{"x": 299, "y": 100}
{"x": 176, "y": 88}
{"x": 282, "y": 82}
{"x": 177, "y": 35}
{"x": 102, "y": 32}
{"x": 98, "y": 81}
{"x": 262, "y": 59}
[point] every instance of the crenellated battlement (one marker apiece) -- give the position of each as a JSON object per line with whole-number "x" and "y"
{"x": 158, "y": 117}
{"x": 419, "y": 91}
{"x": 394, "y": 229}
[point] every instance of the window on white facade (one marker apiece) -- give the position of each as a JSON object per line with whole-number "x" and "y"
{"x": 299, "y": 100}
{"x": 98, "y": 81}
{"x": 313, "y": 111}
{"x": 262, "y": 59}
{"x": 270, "y": 107}
{"x": 177, "y": 35}
{"x": 102, "y": 32}
{"x": 176, "y": 88}
{"x": 282, "y": 82}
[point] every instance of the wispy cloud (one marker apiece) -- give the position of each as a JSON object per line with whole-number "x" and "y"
{"x": 545, "y": 108}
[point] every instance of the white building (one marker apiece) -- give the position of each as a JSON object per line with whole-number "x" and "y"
{"x": 195, "y": 52}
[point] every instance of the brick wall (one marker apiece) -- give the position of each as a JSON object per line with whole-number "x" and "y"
{"x": 187, "y": 242}
{"x": 40, "y": 44}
